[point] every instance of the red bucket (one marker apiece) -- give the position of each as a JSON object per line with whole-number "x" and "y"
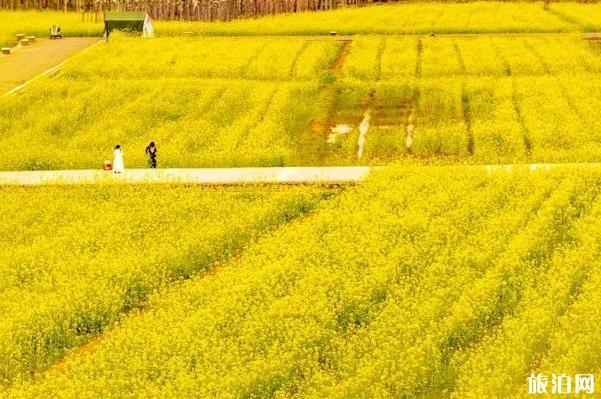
{"x": 107, "y": 165}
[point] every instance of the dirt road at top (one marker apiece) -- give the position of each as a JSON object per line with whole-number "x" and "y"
{"x": 27, "y": 62}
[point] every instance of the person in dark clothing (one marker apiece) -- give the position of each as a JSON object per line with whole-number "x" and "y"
{"x": 151, "y": 153}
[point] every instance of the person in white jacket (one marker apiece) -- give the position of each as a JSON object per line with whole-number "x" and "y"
{"x": 118, "y": 166}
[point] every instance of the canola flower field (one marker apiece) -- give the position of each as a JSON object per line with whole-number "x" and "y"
{"x": 75, "y": 260}
{"x": 489, "y": 99}
{"x": 412, "y": 18}
{"x": 37, "y": 23}
{"x": 447, "y": 282}
{"x": 228, "y": 104}
{"x": 273, "y": 101}
{"x": 403, "y": 18}
{"x": 436, "y": 278}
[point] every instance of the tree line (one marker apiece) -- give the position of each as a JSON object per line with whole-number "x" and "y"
{"x": 186, "y": 10}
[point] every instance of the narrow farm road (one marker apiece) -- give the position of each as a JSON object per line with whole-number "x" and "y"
{"x": 207, "y": 176}
{"x": 27, "y": 62}
{"x": 326, "y": 175}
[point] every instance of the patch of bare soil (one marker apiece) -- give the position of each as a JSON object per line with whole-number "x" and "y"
{"x": 27, "y": 62}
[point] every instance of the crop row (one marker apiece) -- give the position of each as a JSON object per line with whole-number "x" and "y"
{"x": 411, "y": 284}
{"x": 485, "y": 100}
{"x": 232, "y": 58}
{"x": 398, "y": 57}
{"x": 195, "y": 123}
{"x": 38, "y": 24}
{"x": 74, "y": 260}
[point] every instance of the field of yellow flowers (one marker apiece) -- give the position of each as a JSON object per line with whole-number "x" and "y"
{"x": 484, "y": 99}
{"x": 436, "y": 278}
{"x": 37, "y": 23}
{"x": 74, "y": 260}
{"x": 213, "y": 102}
{"x": 401, "y": 18}
{"x": 439, "y": 282}
{"x": 206, "y": 102}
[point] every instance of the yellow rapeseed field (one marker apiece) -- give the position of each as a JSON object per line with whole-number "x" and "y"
{"x": 37, "y": 23}
{"x": 253, "y": 102}
{"x": 467, "y": 17}
{"x": 486, "y": 99}
{"x": 73, "y": 260}
{"x": 233, "y": 102}
{"x": 423, "y": 281}
{"x": 435, "y": 278}
{"x": 404, "y": 18}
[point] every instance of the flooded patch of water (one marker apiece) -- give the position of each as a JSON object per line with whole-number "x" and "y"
{"x": 340, "y": 129}
{"x": 363, "y": 128}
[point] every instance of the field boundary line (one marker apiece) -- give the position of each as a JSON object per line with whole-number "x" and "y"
{"x": 92, "y": 342}
{"x": 301, "y": 175}
{"x": 335, "y": 175}
{"x": 48, "y": 72}
{"x": 350, "y": 36}
{"x": 516, "y": 167}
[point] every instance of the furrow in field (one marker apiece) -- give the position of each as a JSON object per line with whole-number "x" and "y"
{"x": 258, "y": 295}
{"x": 424, "y": 361}
{"x": 75, "y": 284}
{"x": 501, "y": 363}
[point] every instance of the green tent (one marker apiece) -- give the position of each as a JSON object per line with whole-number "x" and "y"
{"x": 136, "y": 21}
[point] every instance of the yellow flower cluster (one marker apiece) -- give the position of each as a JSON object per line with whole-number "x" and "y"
{"x": 423, "y": 281}
{"x": 205, "y": 102}
{"x": 37, "y": 24}
{"x": 411, "y": 17}
{"x": 487, "y": 99}
{"x": 73, "y": 260}
{"x": 585, "y": 15}
{"x": 479, "y": 17}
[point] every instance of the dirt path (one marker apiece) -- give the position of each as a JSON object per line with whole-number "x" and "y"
{"x": 327, "y": 175}
{"x": 27, "y": 62}
{"x": 208, "y": 177}
{"x": 313, "y": 147}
